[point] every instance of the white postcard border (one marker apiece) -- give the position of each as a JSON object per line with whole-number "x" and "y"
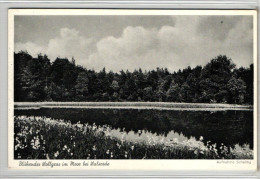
{"x": 183, "y": 164}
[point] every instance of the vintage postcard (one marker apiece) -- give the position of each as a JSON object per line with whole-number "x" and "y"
{"x": 132, "y": 89}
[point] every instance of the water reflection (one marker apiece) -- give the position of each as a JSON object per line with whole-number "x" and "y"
{"x": 144, "y": 136}
{"x": 227, "y": 127}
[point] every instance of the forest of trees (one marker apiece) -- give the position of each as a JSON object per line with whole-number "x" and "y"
{"x": 219, "y": 81}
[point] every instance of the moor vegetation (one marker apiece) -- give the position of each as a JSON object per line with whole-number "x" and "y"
{"x": 46, "y": 138}
{"x": 219, "y": 81}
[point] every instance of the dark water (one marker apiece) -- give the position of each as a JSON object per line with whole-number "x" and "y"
{"x": 227, "y": 127}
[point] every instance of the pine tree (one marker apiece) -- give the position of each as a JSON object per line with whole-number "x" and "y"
{"x": 81, "y": 86}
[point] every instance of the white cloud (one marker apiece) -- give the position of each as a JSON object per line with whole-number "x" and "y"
{"x": 185, "y": 43}
{"x": 68, "y": 44}
{"x": 32, "y": 48}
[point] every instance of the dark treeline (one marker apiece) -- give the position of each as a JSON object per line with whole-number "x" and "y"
{"x": 38, "y": 79}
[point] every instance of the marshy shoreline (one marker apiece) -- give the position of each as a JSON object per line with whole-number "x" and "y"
{"x": 46, "y": 138}
{"x": 134, "y": 105}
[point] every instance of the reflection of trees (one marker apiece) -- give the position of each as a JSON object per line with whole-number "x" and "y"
{"x": 228, "y": 127}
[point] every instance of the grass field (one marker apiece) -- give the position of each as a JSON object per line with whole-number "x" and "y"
{"x": 46, "y": 138}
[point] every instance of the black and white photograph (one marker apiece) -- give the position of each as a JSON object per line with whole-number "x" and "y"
{"x": 132, "y": 85}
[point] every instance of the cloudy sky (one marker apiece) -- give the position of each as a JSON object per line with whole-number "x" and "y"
{"x": 132, "y": 42}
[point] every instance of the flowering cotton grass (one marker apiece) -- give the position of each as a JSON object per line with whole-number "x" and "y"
{"x": 46, "y": 138}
